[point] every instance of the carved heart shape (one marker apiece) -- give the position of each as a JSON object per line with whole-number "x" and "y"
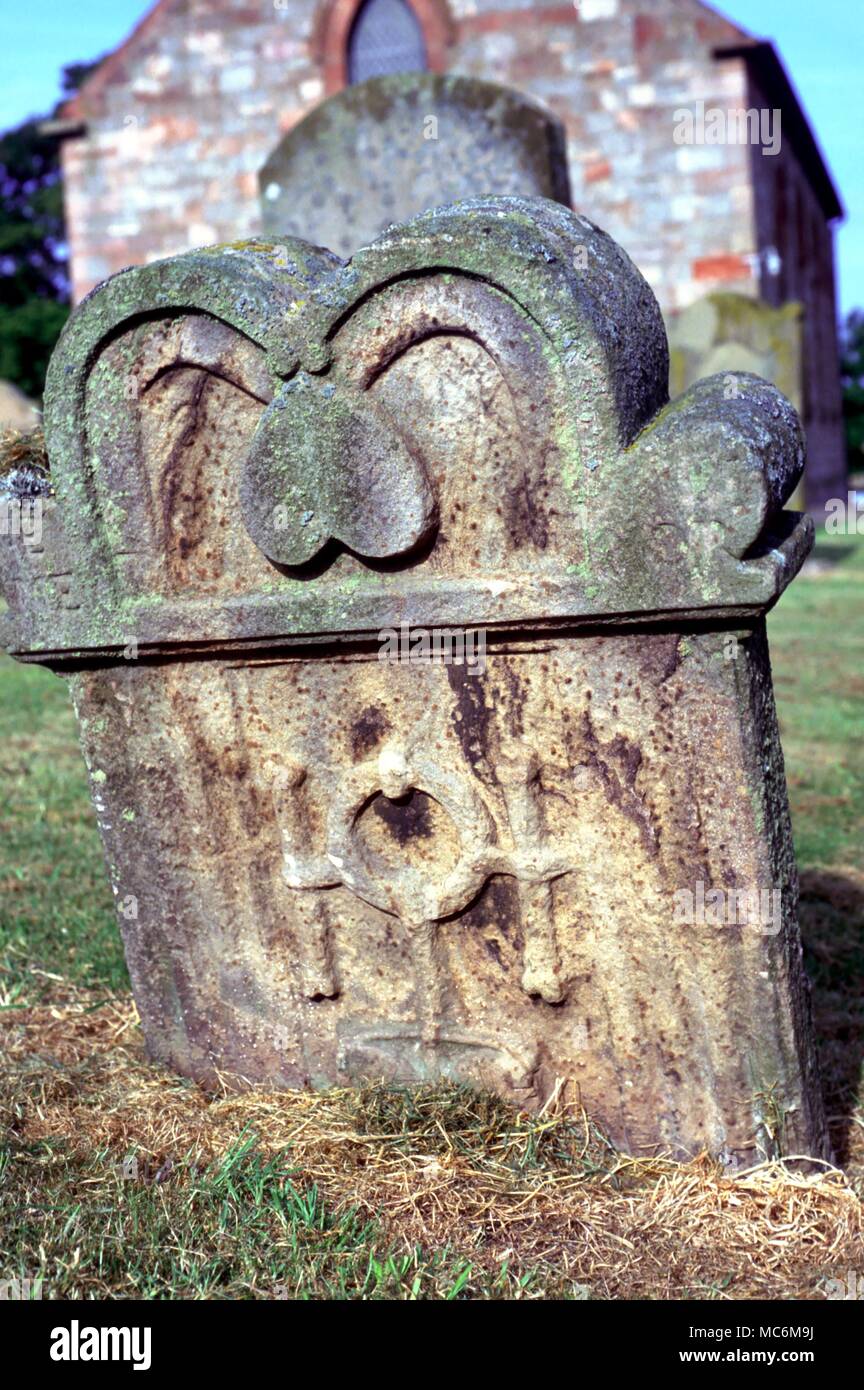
{"x": 326, "y": 462}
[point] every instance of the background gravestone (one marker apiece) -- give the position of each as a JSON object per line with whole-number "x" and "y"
{"x": 726, "y": 332}
{"x": 382, "y": 151}
{"x": 330, "y": 868}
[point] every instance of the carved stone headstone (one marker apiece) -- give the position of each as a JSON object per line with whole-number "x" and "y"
{"x": 568, "y": 862}
{"x": 385, "y": 150}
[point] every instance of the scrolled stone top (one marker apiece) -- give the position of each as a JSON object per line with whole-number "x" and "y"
{"x": 467, "y": 424}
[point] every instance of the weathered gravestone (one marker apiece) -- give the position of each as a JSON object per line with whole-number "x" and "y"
{"x": 385, "y": 150}
{"x": 725, "y": 332}
{"x": 729, "y": 333}
{"x": 573, "y": 866}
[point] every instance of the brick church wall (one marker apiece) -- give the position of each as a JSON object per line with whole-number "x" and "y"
{"x": 179, "y": 121}
{"x": 177, "y": 131}
{"x": 789, "y": 218}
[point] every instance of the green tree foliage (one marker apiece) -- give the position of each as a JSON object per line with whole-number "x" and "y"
{"x": 34, "y": 283}
{"x": 852, "y": 377}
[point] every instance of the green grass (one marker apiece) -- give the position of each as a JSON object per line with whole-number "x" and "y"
{"x": 816, "y": 634}
{"x": 248, "y": 1226}
{"x": 56, "y": 908}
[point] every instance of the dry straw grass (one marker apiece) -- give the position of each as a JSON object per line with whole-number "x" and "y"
{"x": 436, "y": 1168}
{"x": 18, "y": 449}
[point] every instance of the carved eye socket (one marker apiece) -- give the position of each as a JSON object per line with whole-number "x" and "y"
{"x": 413, "y": 831}
{"x": 326, "y": 463}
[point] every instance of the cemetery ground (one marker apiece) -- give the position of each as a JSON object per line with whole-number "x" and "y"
{"x": 118, "y": 1180}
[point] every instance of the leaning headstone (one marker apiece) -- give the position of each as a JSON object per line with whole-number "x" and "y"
{"x": 385, "y": 150}
{"x": 418, "y": 650}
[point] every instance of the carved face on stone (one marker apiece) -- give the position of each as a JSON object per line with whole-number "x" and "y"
{"x": 344, "y": 867}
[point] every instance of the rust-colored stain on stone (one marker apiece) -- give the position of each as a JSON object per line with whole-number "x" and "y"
{"x": 331, "y": 867}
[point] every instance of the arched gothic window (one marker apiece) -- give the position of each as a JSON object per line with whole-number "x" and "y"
{"x": 385, "y": 37}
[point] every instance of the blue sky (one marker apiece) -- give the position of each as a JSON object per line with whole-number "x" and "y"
{"x": 821, "y": 44}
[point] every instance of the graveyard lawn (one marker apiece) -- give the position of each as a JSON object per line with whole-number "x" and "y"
{"x": 121, "y": 1181}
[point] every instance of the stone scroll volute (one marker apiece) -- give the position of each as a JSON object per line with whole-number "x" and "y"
{"x": 340, "y": 867}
